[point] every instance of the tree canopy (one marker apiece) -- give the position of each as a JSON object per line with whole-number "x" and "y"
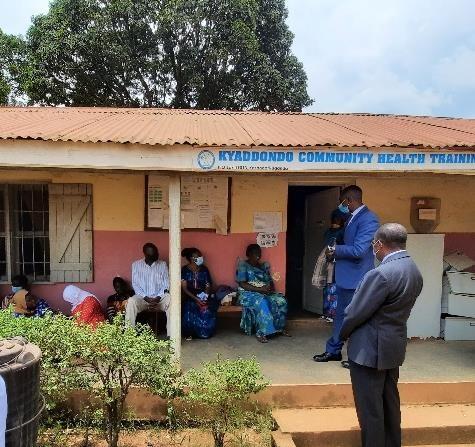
{"x": 206, "y": 54}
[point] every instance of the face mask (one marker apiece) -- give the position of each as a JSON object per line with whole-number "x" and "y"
{"x": 343, "y": 208}
{"x": 199, "y": 261}
{"x": 16, "y": 289}
{"x": 375, "y": 252}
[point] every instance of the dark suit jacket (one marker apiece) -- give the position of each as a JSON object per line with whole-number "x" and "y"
{"x": 354, "y": 257}
{"x": 376, "y": 320}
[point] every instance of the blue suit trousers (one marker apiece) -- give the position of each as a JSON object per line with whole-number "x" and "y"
{"x": 344, "y": 297}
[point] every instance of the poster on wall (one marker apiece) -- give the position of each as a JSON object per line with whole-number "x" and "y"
{"x": 267, "y": 222}
{"x": 267, "y": 240}
{"x": 204, "y": 202}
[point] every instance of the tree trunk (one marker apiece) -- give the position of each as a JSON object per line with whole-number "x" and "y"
{"x": 113, "y": 424}
{"x": 218, "y": 438}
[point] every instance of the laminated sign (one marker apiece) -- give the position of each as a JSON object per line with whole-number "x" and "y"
{"x": 267, "y": 240}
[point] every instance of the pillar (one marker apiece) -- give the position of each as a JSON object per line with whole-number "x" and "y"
{"x": 175, "y": 263}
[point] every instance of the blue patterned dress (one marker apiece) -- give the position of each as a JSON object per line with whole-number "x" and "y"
{"x": 196, "y": 322}
{"x": 262, "y": 314}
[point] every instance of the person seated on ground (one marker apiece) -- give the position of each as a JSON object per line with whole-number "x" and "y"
{"x": 264, "y": 310}
{"x": 151, "y": 284}
{"x": 85, "y": 306}
{"x": 199, "y": 305}
{"x": 25, "y": 304}
{"x": 117, "y": 303}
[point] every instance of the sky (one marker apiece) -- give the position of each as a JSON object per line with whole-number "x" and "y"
{"x": 412, "y": 57}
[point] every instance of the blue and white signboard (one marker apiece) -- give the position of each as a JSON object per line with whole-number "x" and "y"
{"x": 298, "y": 159}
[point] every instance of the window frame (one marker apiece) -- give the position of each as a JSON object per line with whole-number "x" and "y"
{"x": 5, "y": 191}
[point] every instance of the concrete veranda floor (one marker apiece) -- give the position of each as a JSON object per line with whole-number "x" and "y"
{"x": 289, "y": 360}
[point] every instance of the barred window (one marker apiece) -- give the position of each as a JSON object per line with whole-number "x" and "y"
{"x": 46, "y": 232}
{"x": 24, "y": 232}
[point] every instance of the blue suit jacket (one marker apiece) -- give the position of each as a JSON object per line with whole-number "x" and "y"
{"x": 354, "y": 258}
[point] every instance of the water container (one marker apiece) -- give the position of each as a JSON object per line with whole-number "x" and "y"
{"x": 20, "y": 369}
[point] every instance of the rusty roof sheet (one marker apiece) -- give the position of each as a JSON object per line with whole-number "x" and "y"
{"x": 228, "y": 128}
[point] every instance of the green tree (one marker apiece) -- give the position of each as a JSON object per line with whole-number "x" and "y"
{"x": 12, "y": 67}
{"x": 207, "y": 54}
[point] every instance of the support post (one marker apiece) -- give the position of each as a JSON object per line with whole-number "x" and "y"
{"x": 174, "y": 234}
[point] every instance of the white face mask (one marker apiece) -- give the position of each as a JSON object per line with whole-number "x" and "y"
{"x": 199, "y": 261}
{"x": 375, "y": 252}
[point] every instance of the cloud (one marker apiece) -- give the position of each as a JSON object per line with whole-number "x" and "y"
{"x": 457, "y": 71}
{"x": 396, "y": 56}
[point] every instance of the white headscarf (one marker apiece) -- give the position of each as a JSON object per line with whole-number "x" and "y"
{"x": 75, "y": 296}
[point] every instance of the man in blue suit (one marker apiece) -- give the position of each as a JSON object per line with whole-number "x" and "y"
{"x": 353, "y": 259}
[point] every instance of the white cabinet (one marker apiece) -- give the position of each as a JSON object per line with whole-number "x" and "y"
{"x": 461, "y": 306}
{"x": 427, "y": 251}
{"x": 458, "y": 328}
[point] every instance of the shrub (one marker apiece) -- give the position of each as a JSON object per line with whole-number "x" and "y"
{"x": 106, "y": 361}
{"x": 218, "y": 396}
{"x": 55, "y": 336}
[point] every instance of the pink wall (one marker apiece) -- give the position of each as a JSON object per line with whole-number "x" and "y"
{"x": 114, "y": 252}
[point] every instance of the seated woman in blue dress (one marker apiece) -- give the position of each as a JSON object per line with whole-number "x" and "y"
{"x": 199, "y": 306}
{"x": 264, "y": 310}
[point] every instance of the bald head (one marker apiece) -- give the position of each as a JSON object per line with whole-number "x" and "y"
{"x": 392, "y": 235}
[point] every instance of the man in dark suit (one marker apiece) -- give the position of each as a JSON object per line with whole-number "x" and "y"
{"x": 353, "y": 259}
{"x": 376, "y": 325}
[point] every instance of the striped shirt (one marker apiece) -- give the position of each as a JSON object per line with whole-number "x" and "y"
{"x": 150, "y": 280}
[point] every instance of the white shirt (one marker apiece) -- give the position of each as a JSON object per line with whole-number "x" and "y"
{"x": 355, "y": 212}
{"x": 150, "y": 280}
{"x": 390, "y": 254}
{"x": 3, "y": 411}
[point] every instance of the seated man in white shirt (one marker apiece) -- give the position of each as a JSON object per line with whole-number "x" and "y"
{"x": 151, "y": 284}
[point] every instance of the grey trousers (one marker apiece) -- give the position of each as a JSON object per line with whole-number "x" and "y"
{"x": 377, "y": 405}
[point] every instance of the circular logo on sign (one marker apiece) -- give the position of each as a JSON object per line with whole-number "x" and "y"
{"x": 206, "y": 159}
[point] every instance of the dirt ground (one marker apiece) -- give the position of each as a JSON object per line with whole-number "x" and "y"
{"x": 149, "y": 438}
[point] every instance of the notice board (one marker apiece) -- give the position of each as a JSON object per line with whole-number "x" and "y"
{"x": 204, "y": 202}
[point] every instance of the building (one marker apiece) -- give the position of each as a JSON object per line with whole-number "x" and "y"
{"x": 83, "y": 189}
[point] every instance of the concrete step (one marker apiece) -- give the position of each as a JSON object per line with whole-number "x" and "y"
{"x": 338, "y": 427}
{"x": 341, "y": 395}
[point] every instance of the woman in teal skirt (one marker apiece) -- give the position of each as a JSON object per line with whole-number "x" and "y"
{"x": 264, "y": 310}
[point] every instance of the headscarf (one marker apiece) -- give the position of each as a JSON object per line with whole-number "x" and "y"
{"x": 19, "y": 302}
{"x": 75, "y": 296}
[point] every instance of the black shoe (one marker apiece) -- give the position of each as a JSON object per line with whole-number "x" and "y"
{"x": 345, "y": 364}
{"x": 327, "y": 357}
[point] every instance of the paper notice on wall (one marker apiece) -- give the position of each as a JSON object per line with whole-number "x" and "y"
{"x": 202, "y": 198}
{"x": 220, "y": 225}
{"x": 268, "y": 222}
{"x": 155, "y": 196}
{"x": 189, "y": 219}
{"x": 155, "y": 218}
{"x": 267, "y": 240}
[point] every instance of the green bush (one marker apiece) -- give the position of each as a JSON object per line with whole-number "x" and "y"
{"x": 55, "y": 336}
{"x": 218, "y": 397}
{"x": 106, "y": 361}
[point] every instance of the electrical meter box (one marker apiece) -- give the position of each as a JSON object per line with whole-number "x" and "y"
{"x": 425, "y": 214}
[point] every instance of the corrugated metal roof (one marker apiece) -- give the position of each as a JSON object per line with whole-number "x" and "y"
{"x": 228, "y": 128}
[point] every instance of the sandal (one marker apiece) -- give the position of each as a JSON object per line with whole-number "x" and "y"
{"x": 262, "y": 339}
{"x": 284, "y": 333}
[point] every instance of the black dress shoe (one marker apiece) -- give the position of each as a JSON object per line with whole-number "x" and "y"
{"x": 327, "y": 357}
